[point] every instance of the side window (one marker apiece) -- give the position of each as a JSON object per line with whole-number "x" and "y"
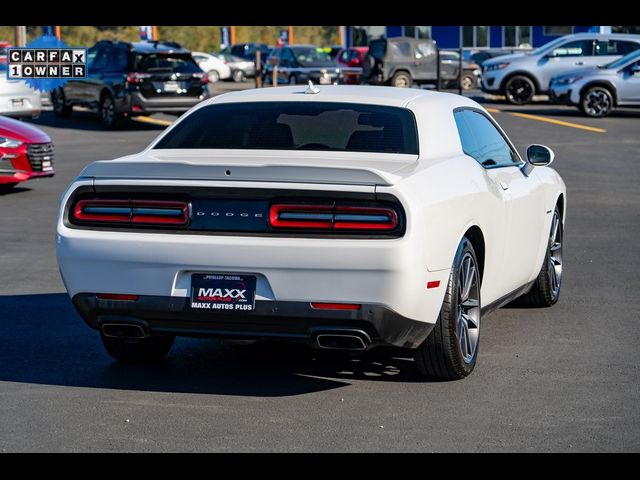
{"x": 344, "y": 56}
{"x": 116, "y": 60}
{"x": 99, "y": 62}
{"x": 483, "y": 141}
{"x": 577, "y": 48}
{"x": 287, "y": 58}
{"x": 424, "y": 50}
{"x": 91, "y": 56}
{"x": 616, "y": 47}
{"x": 402, "y": 49}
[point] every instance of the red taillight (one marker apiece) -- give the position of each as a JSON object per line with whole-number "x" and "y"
{"x": 204, "y": 78}
{"x": 140, "y": 212}
{"x": 332, "y": 217}
{"x": 118, "y": 296}
{"x": 335, "y": 306}
{"x": 301, "y": 216}
{"x": 365, "y": 218}
{"x": 135, "y": 77}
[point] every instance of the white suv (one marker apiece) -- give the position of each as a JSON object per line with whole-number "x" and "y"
{"x": 521, "y": 76}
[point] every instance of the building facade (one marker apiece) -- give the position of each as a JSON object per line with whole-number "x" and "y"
{"x": 476, "y": 37}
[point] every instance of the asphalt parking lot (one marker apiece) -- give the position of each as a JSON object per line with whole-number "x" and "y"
{"x": 559, "y": 379}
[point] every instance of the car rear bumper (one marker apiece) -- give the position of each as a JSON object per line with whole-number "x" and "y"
{"x": 385, "y": 272}
{"x": 296, "y": 321}
{"x": 20, "y": 104}
{"x": 138, "y": 104}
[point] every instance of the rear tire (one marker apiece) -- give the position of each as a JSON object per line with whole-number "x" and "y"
{"x": 60, "y": 107}
{"x": 402, "y": 80}
{"x": 451, "y": 349}
{"x": 151, "y": 349}
{"x": 469, "y": 81}
{"x": 110, "y": 118}
{"x": 546, "y": 289}
{"x": 213, "y": 76}
{"x": 519, "y": 90}
{"x": 238, "y": 76}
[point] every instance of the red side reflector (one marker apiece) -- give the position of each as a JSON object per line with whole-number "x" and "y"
{"x": 335, "y": 306}
{"x": 136, "y": 108}
{"x": 433, "y": 284}
{"x": 117, "y": 296}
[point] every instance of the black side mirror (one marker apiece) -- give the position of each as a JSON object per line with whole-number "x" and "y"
{"x": 539, "y": 155}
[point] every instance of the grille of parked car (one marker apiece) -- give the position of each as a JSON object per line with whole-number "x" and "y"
{"x": 39, "y": 153}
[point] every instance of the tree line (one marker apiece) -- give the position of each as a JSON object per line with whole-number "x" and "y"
{"x": 197, "y": 38}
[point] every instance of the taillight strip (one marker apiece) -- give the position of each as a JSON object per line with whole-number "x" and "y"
{"x": 301, "y": 216}
{"x": 149, "y": 212}
{"x": 330, "y": 217}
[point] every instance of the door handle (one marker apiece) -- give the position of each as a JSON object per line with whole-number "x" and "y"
{"x": 504, "y": 185}
{"x": 579, "y": 63}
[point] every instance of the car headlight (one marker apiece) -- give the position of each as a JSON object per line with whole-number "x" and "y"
{"x": 9, "y": 142}
{"x": 496, "y": 66}
{"x": 567, "y": 80}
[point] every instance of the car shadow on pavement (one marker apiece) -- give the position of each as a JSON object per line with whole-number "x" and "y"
{"x": 89, "y": 121}
{"x": 44, "y": 341}
{"x": 10, "y": 191}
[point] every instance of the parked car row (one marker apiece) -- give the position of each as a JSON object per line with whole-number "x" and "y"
{"x": 552, "y": 67}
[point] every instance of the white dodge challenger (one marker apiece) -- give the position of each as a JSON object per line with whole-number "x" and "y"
{"x": 345, "y": 217}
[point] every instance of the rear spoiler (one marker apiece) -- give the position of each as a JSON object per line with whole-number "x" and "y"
{"x": 107, "y": 169}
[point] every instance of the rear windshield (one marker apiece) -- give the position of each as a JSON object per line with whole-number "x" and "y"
{"x": 347, "y": 127}
{"x": 155, "y": 62}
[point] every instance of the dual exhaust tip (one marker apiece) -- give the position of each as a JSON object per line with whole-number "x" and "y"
{"x": 346, "y": 340}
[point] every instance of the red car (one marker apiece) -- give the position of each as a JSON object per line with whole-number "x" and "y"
{"x": 3, "y": 51}
{"x": 26, "y": 152}
{"x": 353, "y": 58}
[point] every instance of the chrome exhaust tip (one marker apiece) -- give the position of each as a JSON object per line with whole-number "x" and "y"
{"x": 355, "y": 341}
{"x": 123, "y": 330}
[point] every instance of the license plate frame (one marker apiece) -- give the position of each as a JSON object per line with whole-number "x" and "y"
{"x": 17, "y": 103}
{"x": 223, "y": 292}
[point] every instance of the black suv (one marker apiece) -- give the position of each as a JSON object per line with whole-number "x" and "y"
{"x": 129, "y": 79}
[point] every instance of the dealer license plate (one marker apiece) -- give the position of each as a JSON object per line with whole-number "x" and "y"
{"x": 223, "y": 292}
{"x": 171, "y": 86}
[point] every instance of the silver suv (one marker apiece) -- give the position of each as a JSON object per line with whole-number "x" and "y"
{"x": 595, "y": 91}
{"x": 521, "y": 76}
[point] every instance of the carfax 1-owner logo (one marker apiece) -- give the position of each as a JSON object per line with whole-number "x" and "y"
{"x": 46, "y": 63}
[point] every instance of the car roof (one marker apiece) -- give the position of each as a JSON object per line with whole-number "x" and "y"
{"x": 158, "y": 47}
{"x": 365, "y": 94}
{"x": 604, "y": 36}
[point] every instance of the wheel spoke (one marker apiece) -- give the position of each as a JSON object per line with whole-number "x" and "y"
{"x": 468, "y": 276}
{"x": 471, "y": 322}
{"x": 470, "y": 303}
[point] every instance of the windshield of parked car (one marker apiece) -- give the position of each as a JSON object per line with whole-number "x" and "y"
{"x": 547, "y": 46}
{"x": 307, "y": 125}
{"x": 156, "y": 62}
{"x": 306, "y": 55}
{"x": 621, "y": 62}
